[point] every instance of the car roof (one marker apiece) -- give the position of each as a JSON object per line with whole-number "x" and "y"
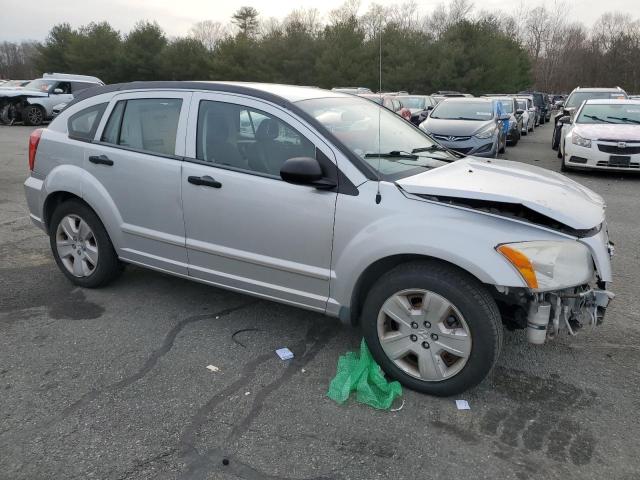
{"x": 611, "y": 101}
{"x": 468, "y": 99}
{"x": 269, "y": 91}
{"x": 72, "y": 77}
{"x": 598, "y": 89}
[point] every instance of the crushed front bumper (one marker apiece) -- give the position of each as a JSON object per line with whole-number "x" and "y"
{"x": 552, "y": 313}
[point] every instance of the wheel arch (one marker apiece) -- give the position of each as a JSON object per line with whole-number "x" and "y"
{"x": 378, "y": 268}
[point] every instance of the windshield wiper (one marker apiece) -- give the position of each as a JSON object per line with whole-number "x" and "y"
{"x": 597, "y": 118}
{"x": 625, "y": 119}
{"x": 432, "y": 148}
{"x": 466, "y": 118}
{"x": 392, "y": 154}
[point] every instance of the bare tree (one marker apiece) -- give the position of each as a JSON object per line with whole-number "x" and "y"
{"x": 209, "y": 33}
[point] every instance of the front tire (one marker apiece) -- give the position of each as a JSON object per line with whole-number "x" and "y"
{"x": 433, "y": 327}
{"x": 81, "y": 246}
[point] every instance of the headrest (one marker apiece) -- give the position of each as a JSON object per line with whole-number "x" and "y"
{"x": 268, "y": 129}
{"x": 217, "y": 127}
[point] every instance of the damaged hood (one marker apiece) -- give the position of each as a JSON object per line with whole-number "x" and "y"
{"x": 17, "y": 92}
{"x": 547, "y": 193}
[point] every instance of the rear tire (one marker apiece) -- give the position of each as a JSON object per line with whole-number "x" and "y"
{"x": 81, "y": 246}
{"x": 458, "y": 306}
{"x": 33, "y": 115}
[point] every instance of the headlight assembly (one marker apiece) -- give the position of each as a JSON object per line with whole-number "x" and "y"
{"x": 580, "y": 141}
{"x": 550, "y": 265}
{"x": 486, "y": 132}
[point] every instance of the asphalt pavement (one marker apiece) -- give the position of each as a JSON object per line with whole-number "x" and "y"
{"x": 113, "y": 384}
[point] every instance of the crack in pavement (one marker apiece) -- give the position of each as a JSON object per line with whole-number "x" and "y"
{"x": 151, "y": 362}
{"x": 199, "y": 465}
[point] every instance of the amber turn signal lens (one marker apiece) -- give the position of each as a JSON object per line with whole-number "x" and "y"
{"x": 522, "y": 263}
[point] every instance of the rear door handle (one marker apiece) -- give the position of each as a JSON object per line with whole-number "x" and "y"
{"x": 101, "y": 160}
{"x": 206, "y": 181}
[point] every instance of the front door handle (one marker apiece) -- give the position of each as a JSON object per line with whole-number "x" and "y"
{"x": 206, "y": 181}
{"x": 100, "y": 160}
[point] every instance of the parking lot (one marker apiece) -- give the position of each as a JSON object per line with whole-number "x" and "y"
{"x": 112, "y": 383}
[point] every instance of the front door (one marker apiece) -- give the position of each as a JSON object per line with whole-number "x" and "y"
{"x": 137, "y": 157}
{"x": 246, "y": 228}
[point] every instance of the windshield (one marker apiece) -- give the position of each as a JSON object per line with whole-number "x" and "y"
{"x": 413, "y": 102}
{"x": 456, "y": 110}
{"x": 576, "y": 98}
{"x": 40, "y": 85}
{"x": 611, "y": 113}
{"x": 507, "y": 105}
{"x": 354, "y": 121}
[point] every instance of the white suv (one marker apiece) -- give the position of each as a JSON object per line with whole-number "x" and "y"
{"x": 33, "y": 104}
{"x": 328, "y": 202}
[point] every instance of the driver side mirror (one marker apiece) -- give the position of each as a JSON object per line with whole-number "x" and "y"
{"x": 564, "y": 120}
{"x": 58, "y": 91}
{"x": 305, "y": 171}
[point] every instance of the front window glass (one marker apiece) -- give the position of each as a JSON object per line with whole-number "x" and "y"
{"x": 367, "y": 129}
{"x": 247, "y": 139}
{"x": 576, "y": 98}
{"x": 456, "y": 110}
{"x": 522, "y": 104}
{"x": 611, "y": 113}
{"x": 413, "y": 102}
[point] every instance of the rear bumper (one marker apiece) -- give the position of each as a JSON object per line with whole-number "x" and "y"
{"x": 34, "y": 193}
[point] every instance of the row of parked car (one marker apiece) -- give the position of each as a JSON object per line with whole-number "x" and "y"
{"x": 34, "y": 102}
{"x": 480, "y": 126}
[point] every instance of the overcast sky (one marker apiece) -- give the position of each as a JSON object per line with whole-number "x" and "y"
{"x": 21, "y": 20}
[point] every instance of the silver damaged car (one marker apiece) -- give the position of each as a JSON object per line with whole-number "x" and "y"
{"x": 328, "y": 202}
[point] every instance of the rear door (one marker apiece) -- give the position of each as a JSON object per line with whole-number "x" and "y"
{"x": 137, "y": 157}
{"x": 246, "y": 228}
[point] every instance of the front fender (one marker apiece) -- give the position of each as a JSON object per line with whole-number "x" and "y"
{"x": 464, "y": 238}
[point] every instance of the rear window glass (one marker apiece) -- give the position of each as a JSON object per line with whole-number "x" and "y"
{"x": 83, "y": 124}
{"x": 147, "y": 124}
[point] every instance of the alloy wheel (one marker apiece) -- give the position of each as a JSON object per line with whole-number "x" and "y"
{"x": 34, "y": 115}
{"x": 77, "y": 246}
{"x": 424, "y": 334}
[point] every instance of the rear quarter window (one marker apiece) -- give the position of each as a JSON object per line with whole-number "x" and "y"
{"x": 82, "y": 125}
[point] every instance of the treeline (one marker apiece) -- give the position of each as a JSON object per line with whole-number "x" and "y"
{"x": 452, "y": 48}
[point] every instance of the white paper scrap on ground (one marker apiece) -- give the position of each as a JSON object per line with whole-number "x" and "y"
{"x": 284, "y": 353}
{"x": 462, "y": 405}
{"x": 213, "y": 368}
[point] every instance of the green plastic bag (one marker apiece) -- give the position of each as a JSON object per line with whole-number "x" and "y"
{"x": 364, "y": 375}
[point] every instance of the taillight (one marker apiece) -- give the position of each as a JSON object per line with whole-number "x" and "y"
{"x": 34, "y": 139}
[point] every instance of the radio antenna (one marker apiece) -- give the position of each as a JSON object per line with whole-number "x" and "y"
{"x": 378, "y": 195}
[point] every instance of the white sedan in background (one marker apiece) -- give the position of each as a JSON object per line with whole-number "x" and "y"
{"x": 604, "y": 135}
{"x": 528, "y": 115}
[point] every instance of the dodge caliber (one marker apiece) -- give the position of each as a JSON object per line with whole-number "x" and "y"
{"x": 328, "y": 202}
